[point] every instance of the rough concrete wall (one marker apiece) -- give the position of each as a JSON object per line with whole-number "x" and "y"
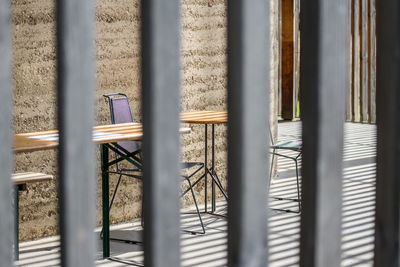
{"x": 204, "y": 78}
{"x": 118, "y": 69}
{"x": 34, "y": 109}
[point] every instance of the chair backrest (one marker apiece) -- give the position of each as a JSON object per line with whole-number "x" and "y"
{"x": 121, "y": 113}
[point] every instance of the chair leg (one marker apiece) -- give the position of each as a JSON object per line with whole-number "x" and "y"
{"x": 270, "y": 169}
{"x": 297, "y": 184}
{"x": 197, "y": 209}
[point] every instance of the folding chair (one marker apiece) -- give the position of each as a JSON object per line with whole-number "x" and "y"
{"x": 121, "y": 113}
{"x": 288, "y": 145}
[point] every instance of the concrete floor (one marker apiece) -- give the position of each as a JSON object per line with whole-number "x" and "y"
{"x": 283, "y": 237}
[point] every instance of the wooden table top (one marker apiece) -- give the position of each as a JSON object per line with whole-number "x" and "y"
{"x": 205, "y": 117}
{"x": 29, "y": 142}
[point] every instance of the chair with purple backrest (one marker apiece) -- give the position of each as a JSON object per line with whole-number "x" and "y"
{"x": 121, "y": 113}
{"x": 294, "y": 146}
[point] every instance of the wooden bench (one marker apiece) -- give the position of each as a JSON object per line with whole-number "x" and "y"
{"x": 21, "y": 180}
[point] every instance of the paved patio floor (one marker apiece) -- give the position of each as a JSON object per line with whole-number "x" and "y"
{"x": 283, "y": 237}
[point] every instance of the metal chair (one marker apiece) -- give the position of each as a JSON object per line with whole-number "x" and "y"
{"x": 121, "y": 113}
{"x": 288, "y": 145}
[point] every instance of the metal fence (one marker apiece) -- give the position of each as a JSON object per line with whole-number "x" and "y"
{"x": 324, "y": 28}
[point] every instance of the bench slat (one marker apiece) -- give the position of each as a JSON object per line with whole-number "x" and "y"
{"x": 30, "y": 177}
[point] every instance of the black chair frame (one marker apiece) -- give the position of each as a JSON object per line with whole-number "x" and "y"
{"x": 135, "y": 158}
{"x": 296, "y": 158}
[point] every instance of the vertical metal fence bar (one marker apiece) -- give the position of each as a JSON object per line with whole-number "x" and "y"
{"x": 6, "y": 158}
{"x": 248, "y": 106}
{"x": 323, "y": 84}
{"x": 160, "y": 90}
{"x": 75, "y": 85}
{"x": 388, "y": 110}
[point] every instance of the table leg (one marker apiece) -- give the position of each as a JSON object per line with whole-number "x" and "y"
{"x": 105, "y": 201}
{"x": 213, "y": 169}
{"x": 16, "y": 223}
{"x": 205, "y": 168}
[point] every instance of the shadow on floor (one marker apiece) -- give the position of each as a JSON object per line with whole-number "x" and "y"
{"x": 284, "y": 228}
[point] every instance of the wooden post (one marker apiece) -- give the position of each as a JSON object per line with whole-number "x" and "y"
{"x": 288, "y": 92}
{"x": 296, "y": 49}
{"x": 280, "y": 59}
{"x": 356, "y": 59}
{"x": 364, "y": 61}
{"x": 372, "y": 63}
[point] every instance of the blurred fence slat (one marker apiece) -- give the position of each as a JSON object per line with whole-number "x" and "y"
{"x": 6, "y": 159}
{"x": 75, "y": 85}
{"x": 248, "y": 86}
{"x": 387, "y": 228}
{"x": 160, "y": 105}
{"x": 323, "y": 81}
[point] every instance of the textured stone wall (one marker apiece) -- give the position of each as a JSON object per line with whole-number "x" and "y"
{"x": 34, "y": 109}
{"x": 118, "y": 70}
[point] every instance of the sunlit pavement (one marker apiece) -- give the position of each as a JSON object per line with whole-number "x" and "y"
{"x": 283, "y": 236}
